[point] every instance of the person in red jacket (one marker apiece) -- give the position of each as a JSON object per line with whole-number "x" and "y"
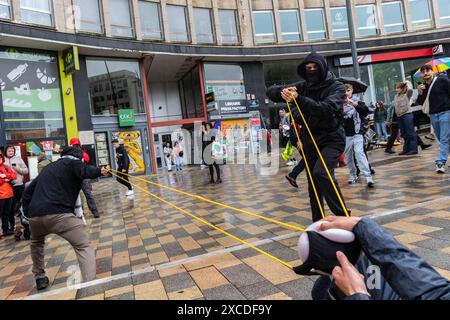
{"x": 86, "y": 185}
{"x": 7, "y": 174}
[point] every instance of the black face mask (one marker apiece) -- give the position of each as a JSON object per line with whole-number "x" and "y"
{"x": 312, "y": 76}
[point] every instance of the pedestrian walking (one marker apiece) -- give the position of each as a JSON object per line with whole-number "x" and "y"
{"x": 380, "y": 117}
{"x": 214, "y": 156}
{"x": 168, "y": 156}
{"x": 123, "y": 165}
{"x": 177, "y": 154}
{"x": 405, "y": 118}
{"x": 49, "y": 202}
{"x": 7, "y": 176}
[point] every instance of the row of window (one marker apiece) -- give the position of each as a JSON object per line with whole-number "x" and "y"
{"x": 88, "y": 18}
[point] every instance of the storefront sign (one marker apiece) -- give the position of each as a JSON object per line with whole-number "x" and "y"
{"x": 71, "y": 61}
{"x": 126, "y": 117}
{"x": 209, "y": 97}
{"x": 86, "y": 137}
{"x": 235, "y": 106}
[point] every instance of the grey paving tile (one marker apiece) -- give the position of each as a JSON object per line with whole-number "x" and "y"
{"x": 242, "y": 275}
{"x": 145, "y": 277}
{"x": 259, "y": 290}
{"x": 225, "y": 292}
{"x": 178, "y": 282}
{"x": 299, "y": 289}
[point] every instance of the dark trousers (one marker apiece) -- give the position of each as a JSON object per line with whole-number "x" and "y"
{"x": 211, "y": 171}
{"x": 323, "y": 184}
{"x": 17, "y": 202}
{"x": 297, "y": 169}
{"x": 393, "y": 136}
{"x": 420, "y": 141}
{"x": 125, "y": 180}
{"x": 6, "y": 210}
{"x": 87, "y": 190}
{"x": 406, "y": 125}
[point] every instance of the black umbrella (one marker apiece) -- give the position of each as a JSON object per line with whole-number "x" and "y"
{"x": 358, "y": 85}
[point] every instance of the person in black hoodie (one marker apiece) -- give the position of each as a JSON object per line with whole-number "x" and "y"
{"x": 123, "y": 164}
{"x": 49, "y": 203}
{"x": 320, "y": 97}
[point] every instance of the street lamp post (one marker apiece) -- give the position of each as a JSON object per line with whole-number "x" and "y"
{"x": 351, "y": 29}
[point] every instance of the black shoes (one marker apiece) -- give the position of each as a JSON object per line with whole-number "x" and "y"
{"x": 390, "y": 151}
{"x": 219, "y": 181}
{"x": 425, "y": 146}
{"x": 410, "y": 153}
{"x": 96, "y": 215}
{"x": 42, "y": 283}
{"x": 292, "y": 181}
{"x": 372, "y": 171}
{"x": 211, "y": 181}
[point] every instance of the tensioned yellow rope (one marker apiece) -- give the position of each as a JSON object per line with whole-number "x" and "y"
{"x": 306, "y": 162}
{"x": 206, "y": 222}
{"x": 320, "y": 156}
{"x": 214, "y": 202}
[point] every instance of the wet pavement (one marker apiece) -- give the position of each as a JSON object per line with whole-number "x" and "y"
{"x": 146, "y": 249}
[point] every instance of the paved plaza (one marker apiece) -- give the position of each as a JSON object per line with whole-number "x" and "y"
{"x": 146, "y": 249}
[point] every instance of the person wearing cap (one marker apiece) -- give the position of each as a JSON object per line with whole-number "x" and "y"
{"x": 49, "y": 203}
{"x": 86, "y": 185}
{"x": 438, "y": 100}
{"x": 123, "y": 164}
{"x": 320, "y": 97}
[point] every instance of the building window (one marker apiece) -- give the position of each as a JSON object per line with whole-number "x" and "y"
{"x": 36, "y": 12}
{"x": 203, "y": 25}
{"x": 120, "y": 18}
{"x": 393, "y": 17}
{"x": 264, "y": 27}
{"x": 5, "y": 9}
{"x": 419, "y": 11}
{"x": 87, "y": 16}
{"x": 290, "y": 25}
{"x": 225, "y": 80}
{"x": 124, "y": 79}
{"x": 339, "y": 23}
{"x": 178, "y": 29}
{"x": 191, "y": 95}
{"x": 444, "y": 12}
{"x": 315, "y": 24}
{"x": 150, "y": 20}
{"x": 367, "y": 22}
{"x": 228, "y": 27}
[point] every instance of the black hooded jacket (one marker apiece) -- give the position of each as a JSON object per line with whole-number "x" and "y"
{"x": 123, "y": 161}
{"x": 320, "y": 103}
{"x": 56, "y": 188}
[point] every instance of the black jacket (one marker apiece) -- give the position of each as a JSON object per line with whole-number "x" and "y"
{"x": 349, "y": 124}
{"x": 123, "y": 161}
{"x": 439, "y": 96}
{"x": 321, "y": 104}
{"x": 56, "y": 188}
{"x": 408, "y": 275}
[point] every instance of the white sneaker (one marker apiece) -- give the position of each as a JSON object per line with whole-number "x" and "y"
{"x": 129, "y": 193}
{"x": 353, "y": 180}
{"x": 440, "y": 168}
{"x": 202, "y": 167}
{"x": 290, "y": 163}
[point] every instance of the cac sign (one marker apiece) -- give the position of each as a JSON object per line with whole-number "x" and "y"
{"x": 126, "y": 118}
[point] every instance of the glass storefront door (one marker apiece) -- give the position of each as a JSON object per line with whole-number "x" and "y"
{"x": 385, "y": 76}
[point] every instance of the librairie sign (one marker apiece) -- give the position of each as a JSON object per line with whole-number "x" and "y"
{"x": 234, "y": 106}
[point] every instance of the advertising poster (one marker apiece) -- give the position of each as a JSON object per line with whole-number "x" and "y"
{"x": 133, "y": 144}
{"x": 238, "y": 136}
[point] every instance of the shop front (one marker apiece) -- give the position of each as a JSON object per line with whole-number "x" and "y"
{"x": 117, "y": 108}
{"x": 31, "y": 104}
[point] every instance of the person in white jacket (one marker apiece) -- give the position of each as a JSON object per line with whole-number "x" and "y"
{"x": 168, "y": 156}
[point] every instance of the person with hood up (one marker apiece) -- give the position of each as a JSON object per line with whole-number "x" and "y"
{"x": 49, "y": 203}
{"x": 20, "y": 168}
{"x": 7, "y": 175}
{"x": 43, "y": 161}
{"x": 86, "y": 186}
{"x": 320, "y": 97}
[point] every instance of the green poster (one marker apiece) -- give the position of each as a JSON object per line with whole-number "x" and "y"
{"x": 23, "y": 99}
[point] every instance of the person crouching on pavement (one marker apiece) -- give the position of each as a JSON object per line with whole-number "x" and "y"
{"x": 49, "y": 202}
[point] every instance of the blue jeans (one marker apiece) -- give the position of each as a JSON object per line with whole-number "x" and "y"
{"x": 178, "y": 162}
{"x": 381, "y": 130}
{"x": 441, "y": 124}
{"x": 406, "y": 125}
{"x": 354, "y": 147}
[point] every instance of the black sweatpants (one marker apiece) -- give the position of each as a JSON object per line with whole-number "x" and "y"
{"x": 322, "y": 183}
{"x": 17, "y": 202}
{"x": 211, "y": 171}
{"x": 393, "y": 136}
{"x": 125, "y": 182}
{"x": 6, "y": 210}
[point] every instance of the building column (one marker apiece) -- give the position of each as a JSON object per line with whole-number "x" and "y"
{"x": 379, "y": 16}
{"x": 191, "y": 21}
{"x": 326, "y": 5}
{"x": 15, "y": 10}
{"x": 106, "y": 21}
{"x": 407, "y": 16}
{"x": 216, "y": 21}
{"x": 302, "y": 16}
{"x": 277, "y": 21}
{"x": 136, "y": 19}
{"x": 164, "y": 20}
{"x": 244, "y": 9}
{"x": 435, "y": 16}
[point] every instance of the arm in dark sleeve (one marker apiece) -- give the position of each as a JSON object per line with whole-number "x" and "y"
{"x": 362, "y": 109}
{"x": 274, "y": 92}
{"x": 28, "y": 195}
{"x": 408, "y": 274}
{"x": 126, "y": 159}
{"x": 83, "y": 171}
{"x": 325, "y": 108}
{"x": 421, "y": 97}
{"x": 358, "y": 296}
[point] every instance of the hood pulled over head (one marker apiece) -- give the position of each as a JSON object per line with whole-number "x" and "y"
{"x": 315, "y": 76}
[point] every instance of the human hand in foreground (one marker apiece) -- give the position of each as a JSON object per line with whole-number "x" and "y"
{"x": 289, "y": 94}
{"x": 105, "y": 171}
{"x": 347, "y": 277}
{"x": 344, "y": 223}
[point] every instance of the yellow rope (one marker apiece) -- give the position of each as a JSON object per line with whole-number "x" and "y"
{"x": 205, "y": 222}
{"x": 306, "y": 162}
{"x": 321, "y": 158}
{"x": 214, "y": 202}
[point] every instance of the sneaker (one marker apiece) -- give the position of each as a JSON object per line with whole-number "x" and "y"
{"x": 219, "y": 181}
{"x": 425, "y": 146}
{"x": 390, "y": 151}
{"x": 370, "y": 183}
{"x": 292, "y": 181}
{"x": 440, "y": 168}
{"x": 202, "y": 166}
{"x": 353, "y": 180}
{"x": 96, "y": 215}
{"x": 290, "y": 163}
{"x": 129, "y": 193}
{"x": 372, "y": 172}
{"x": 42, "y": 283}
{"x": 211, "y": 181}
